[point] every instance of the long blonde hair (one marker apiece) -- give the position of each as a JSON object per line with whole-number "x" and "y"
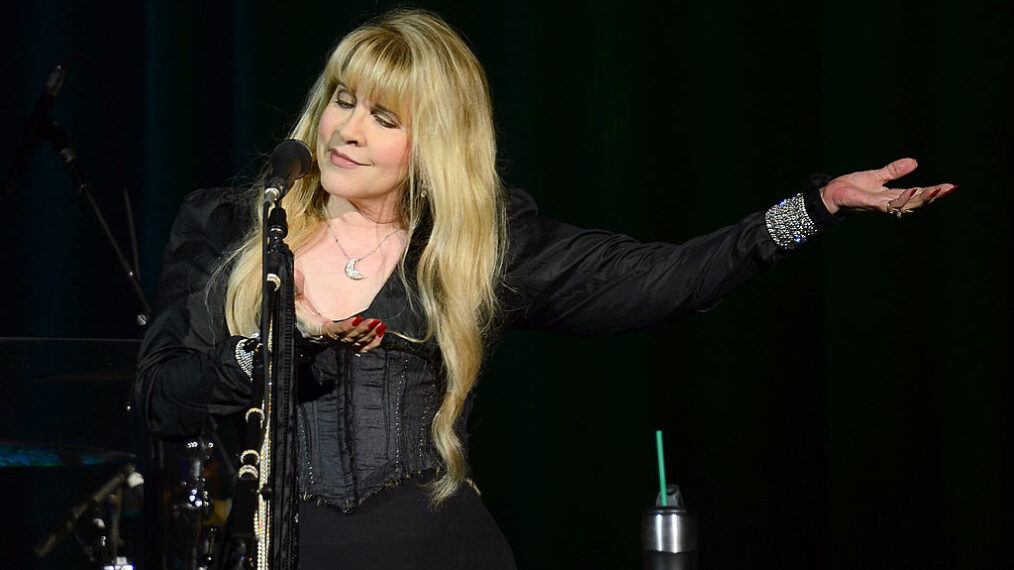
{"x": 415, "y": 64}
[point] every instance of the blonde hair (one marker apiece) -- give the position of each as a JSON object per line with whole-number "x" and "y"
{"x": 415, "y": 64}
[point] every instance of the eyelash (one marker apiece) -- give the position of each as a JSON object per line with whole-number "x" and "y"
{"x": 383, "y": 122}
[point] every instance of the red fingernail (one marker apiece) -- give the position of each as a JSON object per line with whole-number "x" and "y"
{"x": 373, "y": 324}
{"x": 934, "y": 193}
{"x": 912, "y": 192}
{"x": 380, "y": 330}
{"x": 953, "y": 188}
{"x": 356, "y": 321}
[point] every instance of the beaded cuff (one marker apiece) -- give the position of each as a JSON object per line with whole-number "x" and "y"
{"x": 246, "y": 349}
{"x": 788, "y": 222}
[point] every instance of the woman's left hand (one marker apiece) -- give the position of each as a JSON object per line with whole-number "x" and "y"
{"x": 865, "y": 191}
{"x": 361, "y": 335}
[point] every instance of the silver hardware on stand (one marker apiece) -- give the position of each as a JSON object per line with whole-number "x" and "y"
{"x": 195, "y": 504}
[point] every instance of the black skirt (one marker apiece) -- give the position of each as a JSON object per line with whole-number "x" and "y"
{"x": 398, "y": 529}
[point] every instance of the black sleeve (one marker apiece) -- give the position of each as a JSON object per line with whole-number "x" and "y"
{"x": 187, "y": 368}
{"x": 564, "y": 279}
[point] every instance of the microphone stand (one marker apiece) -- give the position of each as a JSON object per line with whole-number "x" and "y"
{"x": 264, "y": 533}
{"x": 42, "y": 127}
{"x": 61, "y": 144}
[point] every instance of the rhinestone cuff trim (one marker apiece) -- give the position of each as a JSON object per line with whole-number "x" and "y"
{"x": 245, "y": 351}
{"x": 788, "y": 222}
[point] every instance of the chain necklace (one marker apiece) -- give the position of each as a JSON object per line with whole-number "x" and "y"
{"x": 350, "y": 268}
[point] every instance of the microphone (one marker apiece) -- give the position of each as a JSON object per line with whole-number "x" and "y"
{"x": 37, "y": 128}
{"x": 290, "y": 161}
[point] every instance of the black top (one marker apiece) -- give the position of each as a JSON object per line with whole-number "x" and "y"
{"x": 364, "y": 422}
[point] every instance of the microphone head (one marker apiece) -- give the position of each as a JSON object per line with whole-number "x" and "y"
{"x": 290, "y": 161}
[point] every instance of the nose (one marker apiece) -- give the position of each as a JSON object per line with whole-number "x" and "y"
{"x": 351, "y": 131}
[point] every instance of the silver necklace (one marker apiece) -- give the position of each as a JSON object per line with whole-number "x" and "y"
{"x": 350, "y": 268}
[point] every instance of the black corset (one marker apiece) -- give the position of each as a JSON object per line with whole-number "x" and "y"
{"x": 364, "y": 420}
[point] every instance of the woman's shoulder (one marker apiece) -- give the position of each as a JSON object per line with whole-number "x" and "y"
{"x": 526, "y": 228}
{"x": 519, "y": 204}
{"x": 217, "y": 208}
{"x": 218, "y": 217}
{"x": 213, "y": 202}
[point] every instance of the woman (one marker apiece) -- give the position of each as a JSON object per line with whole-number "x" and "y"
{"x": 410, "y": 261}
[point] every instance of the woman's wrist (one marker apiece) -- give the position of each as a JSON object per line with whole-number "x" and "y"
{"x": 795, "y": 220}
{"x": 823, "y": 215}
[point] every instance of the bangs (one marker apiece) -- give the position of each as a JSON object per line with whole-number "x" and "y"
{"x": 375, "y": 66}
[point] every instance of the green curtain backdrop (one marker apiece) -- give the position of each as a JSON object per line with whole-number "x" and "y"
{"x": 849, "y": 409}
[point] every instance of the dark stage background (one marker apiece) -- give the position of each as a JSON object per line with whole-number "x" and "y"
{"x": 850, "y": 409}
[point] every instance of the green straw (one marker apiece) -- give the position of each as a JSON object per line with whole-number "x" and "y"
{"x": 661, "y": 468}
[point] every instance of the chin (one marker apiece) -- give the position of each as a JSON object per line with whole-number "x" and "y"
{"x": 334, "y": 185}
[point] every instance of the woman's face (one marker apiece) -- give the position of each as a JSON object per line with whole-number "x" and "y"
{"x": 362, "y": 148}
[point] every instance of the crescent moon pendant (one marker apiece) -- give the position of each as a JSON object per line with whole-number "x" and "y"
{"x": 351, "y": 272}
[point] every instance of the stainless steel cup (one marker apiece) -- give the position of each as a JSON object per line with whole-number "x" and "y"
{"x": 669, "y": 536}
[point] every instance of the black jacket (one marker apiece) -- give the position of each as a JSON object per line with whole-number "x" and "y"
{"x": 364, "y": 421}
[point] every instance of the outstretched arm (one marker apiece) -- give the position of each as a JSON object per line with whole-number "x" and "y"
{"x": 590, "y": 282}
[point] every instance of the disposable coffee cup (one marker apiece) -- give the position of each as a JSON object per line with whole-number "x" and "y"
{"x": 669, "y": 534}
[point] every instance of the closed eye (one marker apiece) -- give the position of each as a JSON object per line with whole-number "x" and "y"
{"x": 383, "y": 116}
{"x": 345, "y": 102}
{"x": 385, "y": 121}
{"x": 344, "y": 98}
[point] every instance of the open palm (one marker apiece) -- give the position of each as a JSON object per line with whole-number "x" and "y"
{"x": 866, "y": 191}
